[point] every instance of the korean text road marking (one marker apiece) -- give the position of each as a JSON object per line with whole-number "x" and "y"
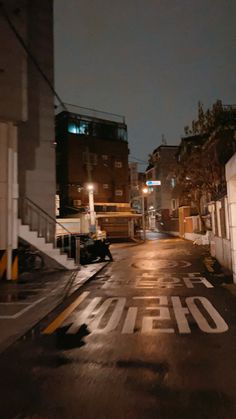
{"x": 151, "y": 280}
{"x": 105, "y": 316}
{"x": 61, "y": 318}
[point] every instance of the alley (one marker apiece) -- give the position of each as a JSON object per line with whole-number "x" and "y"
{"x": 151, "y": 336}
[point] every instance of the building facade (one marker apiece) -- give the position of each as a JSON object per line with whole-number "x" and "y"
{"x": 27, "y": 153}
{"x": 137, "y": 182}
{"x": 91, "y": 149}
{"x": 207, "y": 176}
{"x": 133, "y": 180}
{"x": 161, "y": 205}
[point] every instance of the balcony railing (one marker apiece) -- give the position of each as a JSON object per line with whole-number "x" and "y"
{"x": 92, "y": 113}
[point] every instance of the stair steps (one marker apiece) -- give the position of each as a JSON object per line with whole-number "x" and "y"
{"x": 40, "y": 243}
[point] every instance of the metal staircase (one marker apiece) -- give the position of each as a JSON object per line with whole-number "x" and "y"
{"x": 38, "y": 228}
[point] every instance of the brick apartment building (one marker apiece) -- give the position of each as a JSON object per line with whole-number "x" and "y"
{"x": 92, "y": 147}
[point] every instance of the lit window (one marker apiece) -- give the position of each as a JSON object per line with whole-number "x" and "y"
{"x": 119, "y": 192}
{"x": 173, "y": 182}
{"x": 73, "y": 128}
{"x": 79, "y": 127}
{"x": 173, "y": 204}
{"x": 118, "y": 164}
{"x": 84, "y": 128}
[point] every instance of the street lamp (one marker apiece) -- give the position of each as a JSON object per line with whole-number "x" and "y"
{"x": 145, "y": 191}
{"x": 90, "y": 188}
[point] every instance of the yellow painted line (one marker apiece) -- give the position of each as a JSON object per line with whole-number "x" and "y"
{"x": 60, "y": 319}
{"x": 14, "y": 271}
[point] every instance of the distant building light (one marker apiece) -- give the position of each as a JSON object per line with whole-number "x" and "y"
{"x": 153, "y": 183}
{"x": 173, "y": 182}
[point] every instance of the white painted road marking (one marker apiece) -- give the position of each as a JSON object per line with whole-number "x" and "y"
{"x": 193, "y": 278}
{"x": 220, "y": 325}
{"x": 115, "y": 316}
{"x": 150, "y": 265}
{"x": 148, "y": 322}
{"x": 83, "y": 316}
{"x": 130, "y": 320}
{"x": 105, "y": 317}
{"x": 151, "y": 280}
{"x": 57, "y": 322}
{"x": 24, "y": 310}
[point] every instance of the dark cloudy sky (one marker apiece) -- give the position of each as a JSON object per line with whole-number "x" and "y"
{"x": 150, "y": 60}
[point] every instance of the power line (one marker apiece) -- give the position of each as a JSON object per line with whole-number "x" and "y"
{"x": 29, "y": 53}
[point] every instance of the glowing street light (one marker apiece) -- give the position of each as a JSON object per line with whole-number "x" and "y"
{"x": 90, "y": 188}
{"x": 145, "y": 191}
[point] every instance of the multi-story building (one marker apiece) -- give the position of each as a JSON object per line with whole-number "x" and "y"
{"x": 92, "y": 147}
{"x": 136, "y": 184}
{"x": 27, "y": 151}
{"x": 133, "y": 180}
{"x": 160, "y": 202}
{"x": 206, "y": 175}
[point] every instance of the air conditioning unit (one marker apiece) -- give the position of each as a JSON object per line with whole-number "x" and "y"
{"x": 77, "y": 202}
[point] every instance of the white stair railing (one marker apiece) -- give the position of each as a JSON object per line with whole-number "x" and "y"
{"x": 45, "y": 225}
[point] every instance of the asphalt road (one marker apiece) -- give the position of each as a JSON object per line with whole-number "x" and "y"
{"x": 158, "y": 341}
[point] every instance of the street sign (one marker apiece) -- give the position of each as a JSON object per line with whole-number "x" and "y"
{"x": 153, "y": 182}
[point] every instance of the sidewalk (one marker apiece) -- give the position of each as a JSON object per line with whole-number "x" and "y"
{"x": 25, "y": 302}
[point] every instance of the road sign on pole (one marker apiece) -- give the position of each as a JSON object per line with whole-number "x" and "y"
{"x": 153, "y": 183}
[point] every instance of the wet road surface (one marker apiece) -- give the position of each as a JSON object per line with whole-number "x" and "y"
{"x": 149, "y": 337}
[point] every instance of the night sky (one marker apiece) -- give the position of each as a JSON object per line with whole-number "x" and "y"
{"x": 150, "y": 60}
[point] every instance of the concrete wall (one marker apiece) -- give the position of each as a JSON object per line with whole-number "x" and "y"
{"x": 220, "y": 245}
{"x": 184, "y": 212}
{"x": 170, "y": 226}
{"x": 221, "y": 249}
{"x": 231, "y": 191}
{"x": 223, "y": 220}
{"x": 26, "y": 119}
{"x": 13, "y": 62}
{"x": 36, "y": 135}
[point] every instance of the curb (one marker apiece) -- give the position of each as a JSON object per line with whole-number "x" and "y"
{"x": 18, "y": 335}
{"x": 80, "y": 285}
